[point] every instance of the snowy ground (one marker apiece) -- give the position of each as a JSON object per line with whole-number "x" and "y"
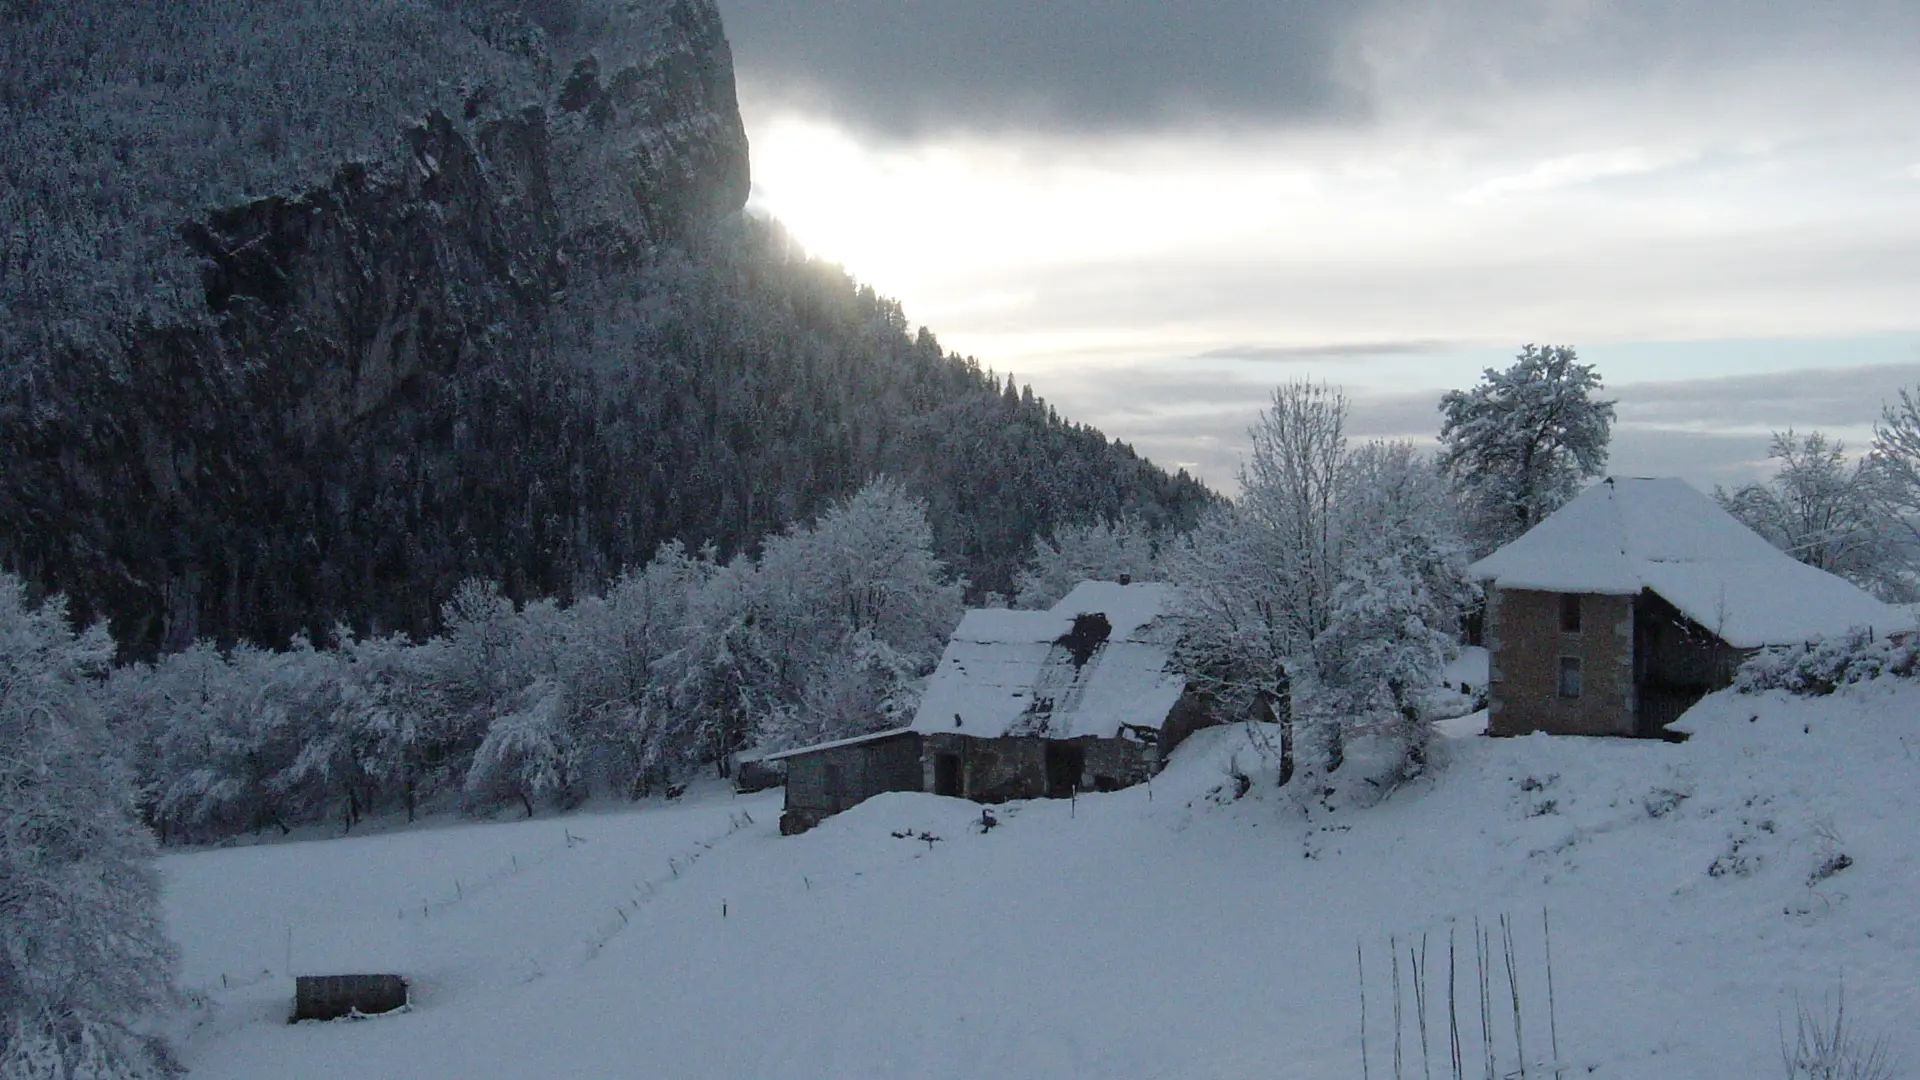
{"x": 1170, "y": 931}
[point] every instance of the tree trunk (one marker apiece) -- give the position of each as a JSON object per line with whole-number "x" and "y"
{"x": 1286, "y": 735}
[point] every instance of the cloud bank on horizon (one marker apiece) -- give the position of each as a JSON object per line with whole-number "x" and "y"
{"x": 919, "y": 68}
{"x": 1147, "y": 209}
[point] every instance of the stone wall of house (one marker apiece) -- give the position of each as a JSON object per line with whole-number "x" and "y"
{"x": 1113, "y": 763}
{"x": 1015, "y": 767}
{"x": 825, "y": 782}
{"x": 992, "y": 770}
{"x": 1191, "y": 713}
{"x": 1526, "y": 644}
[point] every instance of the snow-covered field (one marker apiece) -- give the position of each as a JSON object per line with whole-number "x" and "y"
{"x": 1163, "y": 931}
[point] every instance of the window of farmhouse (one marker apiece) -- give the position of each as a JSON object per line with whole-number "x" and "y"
{"x": 1569, "y": 613}
{"x": 1569, "y": 677}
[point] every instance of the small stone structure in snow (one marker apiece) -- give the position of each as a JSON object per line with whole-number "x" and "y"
{"x": 1636, "y": 599}
{"x": 1024, "y": 704}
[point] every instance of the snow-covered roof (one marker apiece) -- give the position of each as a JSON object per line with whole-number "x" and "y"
{"x": 1623, "y": 535}
{"x": 1024, "y": 672}
{"x": 835, "y": 744}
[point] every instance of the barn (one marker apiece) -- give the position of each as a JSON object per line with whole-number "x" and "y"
{"x": 1636, "y": 599}
{"x": 1023, "y": 705}
{"x": 1081, "y": 697}
{"x": 826, "y": 778}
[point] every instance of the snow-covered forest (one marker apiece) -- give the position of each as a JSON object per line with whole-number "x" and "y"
{"x": 682, "y": 662}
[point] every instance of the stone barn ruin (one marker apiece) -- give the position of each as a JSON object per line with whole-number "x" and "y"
{"x": 1023, "y": 705}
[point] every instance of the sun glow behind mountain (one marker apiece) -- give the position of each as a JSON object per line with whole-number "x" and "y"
{"x": 1744, "y": 215}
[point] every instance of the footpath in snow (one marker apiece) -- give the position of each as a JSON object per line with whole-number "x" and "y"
{"x": 1696, "y": 892}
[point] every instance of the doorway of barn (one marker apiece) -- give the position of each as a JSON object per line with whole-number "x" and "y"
{"x": 1065, "y": 763}
{"x": 946, "y": 775}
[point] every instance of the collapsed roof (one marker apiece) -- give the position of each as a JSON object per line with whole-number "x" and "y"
{"x": 1096, "y": 663}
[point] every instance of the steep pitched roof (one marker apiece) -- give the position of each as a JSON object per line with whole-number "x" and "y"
{"x": 1623, "y": 535}
{"x": 1097, "y": 661}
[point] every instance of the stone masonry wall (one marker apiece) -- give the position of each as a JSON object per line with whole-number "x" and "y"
{"x": 1526, "y": 644}
{"x": 866, "y": 769}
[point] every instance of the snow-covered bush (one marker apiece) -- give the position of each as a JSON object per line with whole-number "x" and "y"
{"x": 1826, "y": 1046}
{"x": 1824, "y": 666}
{"x": 215, "y": 744}
{"x": 830, "y": 632}
{"x": 83, "y": 952}
{"x": 528, "y": 754}
{"x": 842, "y": 619}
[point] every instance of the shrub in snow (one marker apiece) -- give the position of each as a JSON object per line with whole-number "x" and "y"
{"x": 1825, "y": 1047}
{"x": 1821, "y": 667}
{"x": 83, "y": 953}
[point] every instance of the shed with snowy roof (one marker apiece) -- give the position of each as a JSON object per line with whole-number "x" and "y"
{"x": 1023, "y": 704}
{"x": 1630, "y": 603}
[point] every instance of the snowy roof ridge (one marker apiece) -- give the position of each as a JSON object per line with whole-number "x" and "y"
{"x": 1012, "y": 672}
{"x": 873, "y": 736}
{"x": 1626, "y": 534}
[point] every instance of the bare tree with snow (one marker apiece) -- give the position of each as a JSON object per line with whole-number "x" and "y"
{"x": 1828, "y": 510}
{"x": 1330, "y": 592}
{"x": 1090, "y": 551}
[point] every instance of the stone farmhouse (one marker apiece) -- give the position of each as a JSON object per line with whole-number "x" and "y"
{"x": 1636, "y": 599}
{"x": 1023, "y": 704}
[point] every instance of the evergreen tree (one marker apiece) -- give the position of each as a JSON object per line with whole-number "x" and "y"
{"x": 1519, "y": 445}
{"x": 83, "y": 952}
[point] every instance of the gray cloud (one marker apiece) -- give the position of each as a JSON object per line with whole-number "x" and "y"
{"x": 1707, "y": 431}
{"x": 908, "y": 67}
{"x": 1300, "y": 354}
{"x": 1832, "y": 398}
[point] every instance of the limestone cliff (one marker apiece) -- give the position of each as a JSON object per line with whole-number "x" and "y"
{"x": 311, "y": 308}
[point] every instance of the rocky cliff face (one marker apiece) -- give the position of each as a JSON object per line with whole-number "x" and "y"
{"x": 311, "y": 308}
{"x": 185, "y": 364}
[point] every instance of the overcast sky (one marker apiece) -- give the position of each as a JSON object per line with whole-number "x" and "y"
{"x": 1154, "y": 212}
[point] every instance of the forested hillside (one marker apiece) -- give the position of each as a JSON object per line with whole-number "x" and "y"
{"x": 313, "y": 311}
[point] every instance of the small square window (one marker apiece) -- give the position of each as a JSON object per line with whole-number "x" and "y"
{"x": 1569, "y": 677}
{"x": 1569, "y": 613}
